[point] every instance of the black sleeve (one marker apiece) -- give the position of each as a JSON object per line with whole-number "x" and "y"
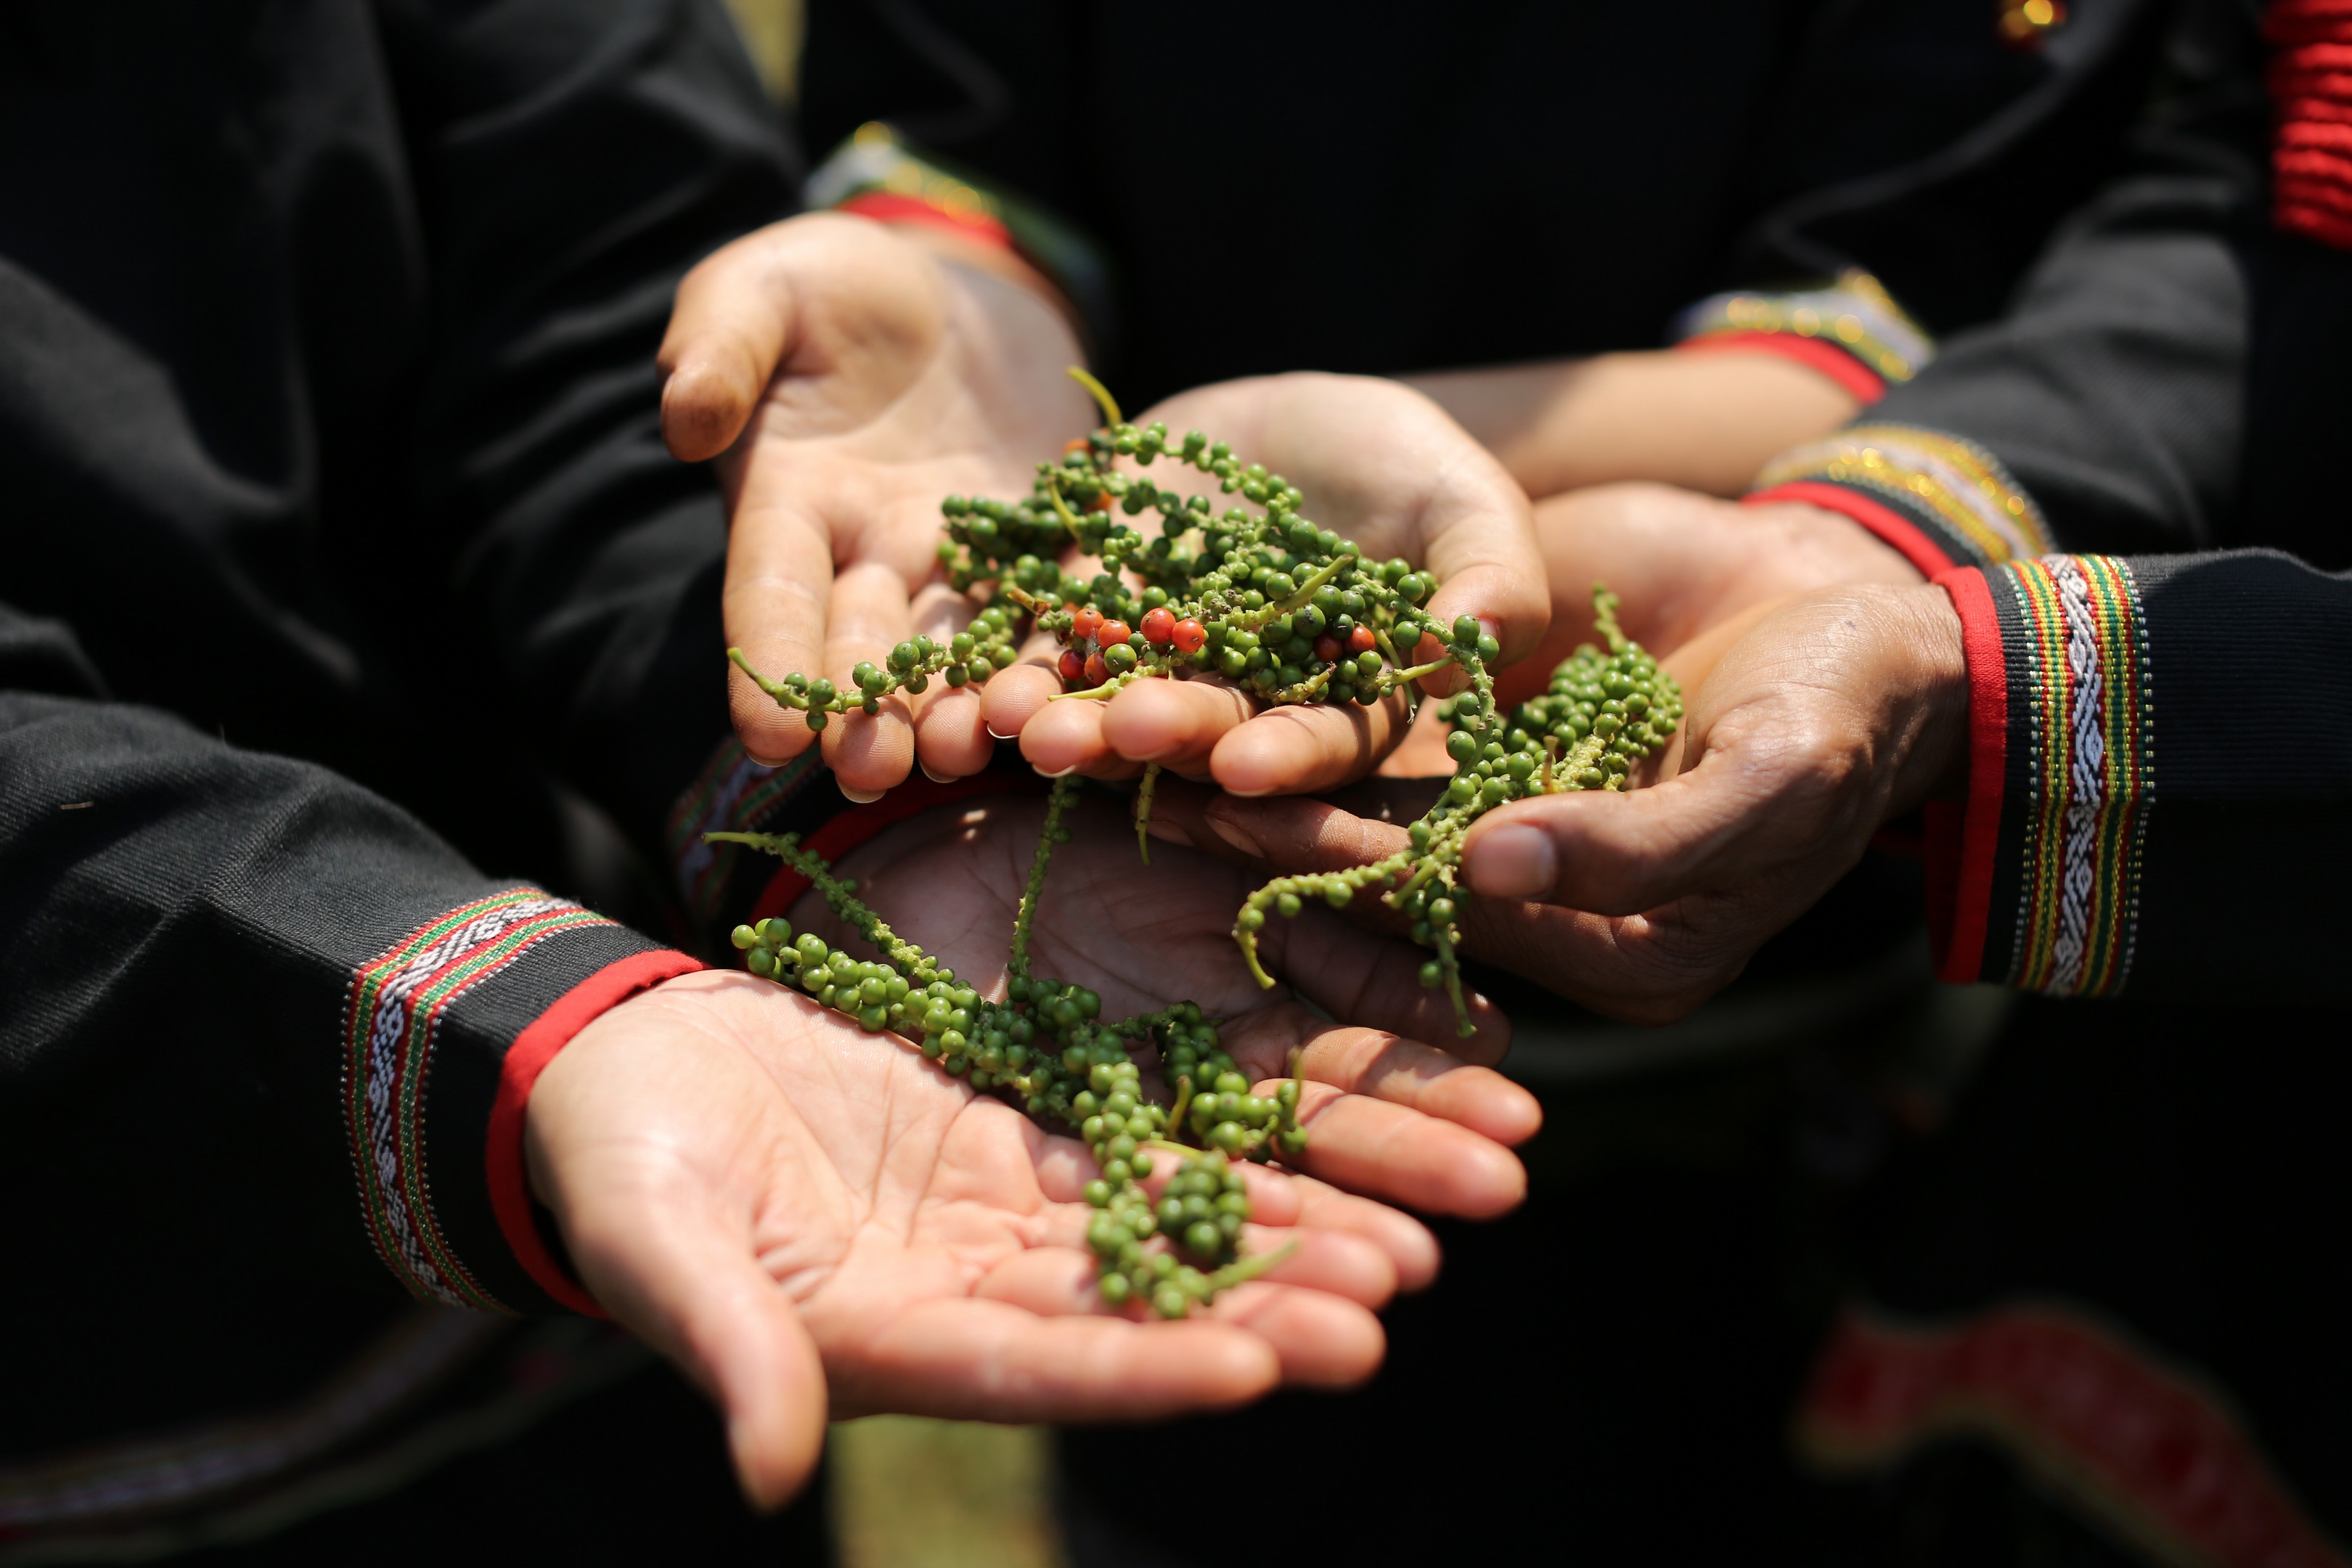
{"x": 572, "y": 161}
{"x": 2161, "y": 791}
{"x": 2105, "y": 410}
{"x": 232, "y": 988}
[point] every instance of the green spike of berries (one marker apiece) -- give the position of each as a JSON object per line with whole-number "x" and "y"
{"x": 1046, "y": 1048}
{"x": 1290, "y": 613}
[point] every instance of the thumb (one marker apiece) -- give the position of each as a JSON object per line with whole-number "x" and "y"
{"x": 683, "y": 1278}
{"x": 730, "y": 329}
{"x": 1609, "y": 853}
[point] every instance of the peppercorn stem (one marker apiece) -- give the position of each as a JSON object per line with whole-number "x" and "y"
{"x": 1241, "y": 1270}
{"x": 1103, "y": 399}
{"x": 1143, "y": 810}
{"x": 1056, "y": 800}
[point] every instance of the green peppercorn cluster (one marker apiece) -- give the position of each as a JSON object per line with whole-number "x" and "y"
{"x": 1261, "y": 597}
{"x": 1602, "y": 713}
{"x": 1046, "y": 1048}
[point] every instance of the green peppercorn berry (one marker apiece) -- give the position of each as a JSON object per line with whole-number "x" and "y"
{"x": 1432, "y": 974}
{"x": 1119, "y": 657}
{"x": 1287, "y": 905}
{"x": 744, "y": 937}
{"x": 1337, "y": 894}
{"x": 1442, "y": 912}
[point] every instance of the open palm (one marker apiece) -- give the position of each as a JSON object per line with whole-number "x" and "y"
{"x": 847, "y": 379}
{"x": 1385, "y": 1115}
{"x": 811, "y": 1219}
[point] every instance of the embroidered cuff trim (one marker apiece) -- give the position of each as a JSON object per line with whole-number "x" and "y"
{"x": 2075, "y": 646}
{"x": 1855, "y": 315}
{"x": 394, "y": 1013}
{"x": 732, "y": 794}
{"x": 1953, "y": 491}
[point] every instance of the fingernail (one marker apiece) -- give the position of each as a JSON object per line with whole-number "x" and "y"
{"x": 1512, "y": 862}
{"x": 1057, "y": 773}
{"x": 935, "y": 778}
{"x": 1168, "y": 833}
{"x": 993, "y": 734}
{"x": 1232, "y": 834}
{"x": 863, "y": 797}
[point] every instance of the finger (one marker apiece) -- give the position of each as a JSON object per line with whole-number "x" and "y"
{"x": 1176, "y": 724}
{"x": 729, "y": 328}
{"x": 1309, "y": 747}
{"x": 1331, "y": 1259}
{"x": 1323, "y": 1341}
{"x": 1286, "y": 1197}
{"x": 1379, "y": 982}
{"x": 1617, "y": 854}
{"x": 1418, "y": 1078}
{"x": 1067, "y": 737}
{"x": 779, "y": 589}
{"x": 1489, "y": 563}
{"x": 1380, "y": 1150}
{"x": 970, "y": 1358}
{"x": 870, "y": 614}
{"x": 683, "y": 1278}
{"x": 1013, "y": 696}
{"x": 951, "y": 738}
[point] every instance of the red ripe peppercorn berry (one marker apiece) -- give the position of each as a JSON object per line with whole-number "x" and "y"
{"x": 1327, "y": 647}
{"x": 1101, "y": 501}
{"x": 1190, "y": 636}
{"x": 1097, "y": 670}
{"x": 1114, "y": 632}
{"x": 1085, "y": 622}
{"x": 1158, "y": 628}
{"x": 1070, "y": 664}
{"x": 1360, "y": 640}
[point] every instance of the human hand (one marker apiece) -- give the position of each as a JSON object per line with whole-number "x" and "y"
{"x": 1380, "y": 465}
{"x": 809, "y": 1219}
{"x": 1833, "y": 713}
{"x": 1385, "y": 1115}
{"x": 1685, "y": 565}
{"x": 847, "y": 377}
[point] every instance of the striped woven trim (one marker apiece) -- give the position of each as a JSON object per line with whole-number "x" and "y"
{"x": 2102, "y": 1422}
{"x": 395, "y": 1006}
{"x": 1952, "y": 489}
{"x": 732, "y": 794}
{"x": 1856, "y": 315}
{"x": 2076, "y": 650}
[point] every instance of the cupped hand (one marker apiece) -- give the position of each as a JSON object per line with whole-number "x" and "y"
{"x": 1684, "y": 565}
{"x": 1833, "y": 712}
{"x": 1386, "y": 1116}
{"x": 811, "y": 1220}
{"x": 1380, "y": 465}
{"x": 847, "y": 377}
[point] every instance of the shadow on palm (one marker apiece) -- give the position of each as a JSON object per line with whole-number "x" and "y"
{"x": 1386, "y": 1115}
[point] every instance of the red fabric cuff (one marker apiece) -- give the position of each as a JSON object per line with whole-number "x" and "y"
{"x": 1863, "y": 384}
{"x": 1880, "y": 518}
{"x": 888, "y": 206}
{"x": 1964, "y": 840}
{"x": 854, "y": 826}
{"x": 532, "y": 1051}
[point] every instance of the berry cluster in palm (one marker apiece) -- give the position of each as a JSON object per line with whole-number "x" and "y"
{"x": 1046, "y": 1049}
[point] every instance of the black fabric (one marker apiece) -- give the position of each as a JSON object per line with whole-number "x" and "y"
{"x": 337, "y": 535}
{"x": 2177, "y": 1172}
{"x": 328, "y": 419}
{"x": 1394, "y": 189}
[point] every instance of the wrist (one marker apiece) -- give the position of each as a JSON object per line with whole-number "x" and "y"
{"x": 1934, "y": 687}
{"x": 1824, "y": 547}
